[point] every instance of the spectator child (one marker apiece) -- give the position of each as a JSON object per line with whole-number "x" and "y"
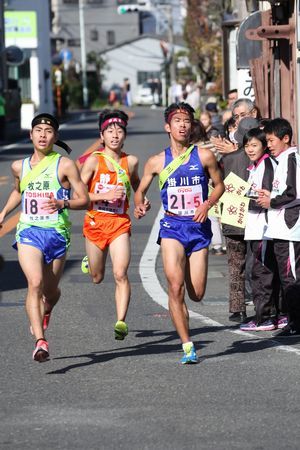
{"x": 265, "y": 283}
{"x": 283, "y": 203}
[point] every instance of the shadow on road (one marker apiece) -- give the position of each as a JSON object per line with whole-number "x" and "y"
{"x": 147, "y": 348}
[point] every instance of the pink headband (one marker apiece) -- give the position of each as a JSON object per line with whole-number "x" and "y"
{"x": 172, "y": 113}
{"x": 108, "y": 122}
{"x": 179, "y": 110}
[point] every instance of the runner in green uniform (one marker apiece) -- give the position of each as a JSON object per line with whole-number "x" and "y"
{"x": 42, "y": 184}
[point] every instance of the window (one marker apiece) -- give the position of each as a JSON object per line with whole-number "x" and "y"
{"x": 74, "y": 42}
{"x": 143, "y": 77}
{"x": 110, "y": 37}
{"x": 94, "y": 35}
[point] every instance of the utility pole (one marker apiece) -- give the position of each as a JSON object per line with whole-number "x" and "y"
{"x": 3, "y": 73}
{"x": 83, "y": 55}
{"x": 171, "y": 43}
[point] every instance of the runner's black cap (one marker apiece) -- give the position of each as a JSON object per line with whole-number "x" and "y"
{"x": 47, "y": 119}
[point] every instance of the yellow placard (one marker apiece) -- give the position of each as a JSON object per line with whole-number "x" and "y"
{"x": 234, "y": 203}
{"x": 234, "y": 185}
{"x": 234, "y": 210}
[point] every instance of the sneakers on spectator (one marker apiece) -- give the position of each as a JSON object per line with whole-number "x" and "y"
{"x": 267, "y": 325}
{"x": 85, "y": 265}
{"x": 190, "y": 355}
{"x": 248, "y": 326}
{"x": 121, "y": 330}
{"x": 287, "y": 332}
{"x": 41, "y": 351}
{"x": 282, "y": 322}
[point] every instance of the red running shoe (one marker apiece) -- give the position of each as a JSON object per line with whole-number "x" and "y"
{"x": 41, "y": 351}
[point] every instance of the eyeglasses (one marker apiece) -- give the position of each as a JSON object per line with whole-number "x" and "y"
{"x": 242, "y": 115}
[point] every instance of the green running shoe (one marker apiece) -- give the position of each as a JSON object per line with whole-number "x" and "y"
{"x": 85, "y": 265}
{"x": 189, "y": 354}
{"x": 121, "y": 330}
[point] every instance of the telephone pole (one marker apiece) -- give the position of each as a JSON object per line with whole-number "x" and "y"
{"x": 3, "y": 73}
{"x": 169, "y": 14}
{"x": 83, "y": 55}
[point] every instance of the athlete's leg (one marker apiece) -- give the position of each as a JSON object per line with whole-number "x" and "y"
{"x": 32, "y": 261}
{"x": 196, "y": 274}
{"x": 120, "y": 256}
{"x": 97, "y": 259}
{"x": 174, "y": 261}
{"x": 52, "y": 274}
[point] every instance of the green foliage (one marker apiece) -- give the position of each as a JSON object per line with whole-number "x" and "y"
{"x": 203, "y": 37}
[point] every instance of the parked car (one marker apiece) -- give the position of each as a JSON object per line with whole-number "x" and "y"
{"x": 147, "y": 94}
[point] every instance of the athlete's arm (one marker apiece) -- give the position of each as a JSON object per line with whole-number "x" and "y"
{"x": 92, "y": 148}
{"x": 133, "y": 164}
{"x": 88, "y": 171}
{"x": 152, "y": 168}
{"x": 14, "y": 198}
{"x": 135, "y": 179}
{"x": 209, "y": 162}
{"x": 68, "y": 172}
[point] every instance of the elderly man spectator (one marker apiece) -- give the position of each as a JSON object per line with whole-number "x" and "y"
{"x": 241, "y": 108}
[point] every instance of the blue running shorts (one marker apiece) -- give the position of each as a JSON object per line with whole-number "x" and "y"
{"x": 192, "y": 235}
{"x": 49, "y": 241}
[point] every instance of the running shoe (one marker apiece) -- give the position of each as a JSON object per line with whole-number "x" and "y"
{"x": 282, "y": 322}
{"x": 41, "y": 351}
{"x": 287, "y": 332}
{"x": 121, "y": 330}
{"x": 189, "y": 354}
{"x": 85, "y": 265}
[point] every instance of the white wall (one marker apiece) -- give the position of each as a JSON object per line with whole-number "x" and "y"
{"x": 124, "y": 62}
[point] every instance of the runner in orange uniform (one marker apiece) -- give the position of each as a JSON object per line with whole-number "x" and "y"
{"x": 110, "y": 174}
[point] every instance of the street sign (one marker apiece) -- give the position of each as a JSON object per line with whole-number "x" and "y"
{"x": 21, "y": 28}
{"x": 248, "y": 49}
{"x": 14, "y": 55}
{"x": 66, "y": 54}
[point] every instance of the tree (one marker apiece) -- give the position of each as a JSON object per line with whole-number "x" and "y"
{"x": 203, "y": 34}
{"x": 95, "y": 77}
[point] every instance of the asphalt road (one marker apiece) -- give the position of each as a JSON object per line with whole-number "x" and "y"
{"x": 98, "y": 393}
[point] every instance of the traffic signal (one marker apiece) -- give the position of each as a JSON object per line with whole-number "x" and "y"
{"x": 124, "y": 9}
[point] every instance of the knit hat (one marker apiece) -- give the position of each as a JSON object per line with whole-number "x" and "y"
{"x": 246, "y": 124}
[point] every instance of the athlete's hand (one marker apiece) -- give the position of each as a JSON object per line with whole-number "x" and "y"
{"x": 2, "y": 216}
{"x": 264, "y": 199}
{"x": 201, "y": 213}
{"x": 115, "y": 193}
{"x": 140, "y": 211}
{"x": 52, "y": 204}
{"x": 147, "y": 204}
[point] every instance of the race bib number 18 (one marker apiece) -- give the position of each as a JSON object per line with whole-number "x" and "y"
{"x": 33, "y": 206}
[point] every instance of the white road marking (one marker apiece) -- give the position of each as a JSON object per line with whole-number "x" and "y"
{"x": 154, "y": 289}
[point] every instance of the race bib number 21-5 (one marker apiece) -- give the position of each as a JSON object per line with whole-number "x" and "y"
{"x": 184, "y": 200}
